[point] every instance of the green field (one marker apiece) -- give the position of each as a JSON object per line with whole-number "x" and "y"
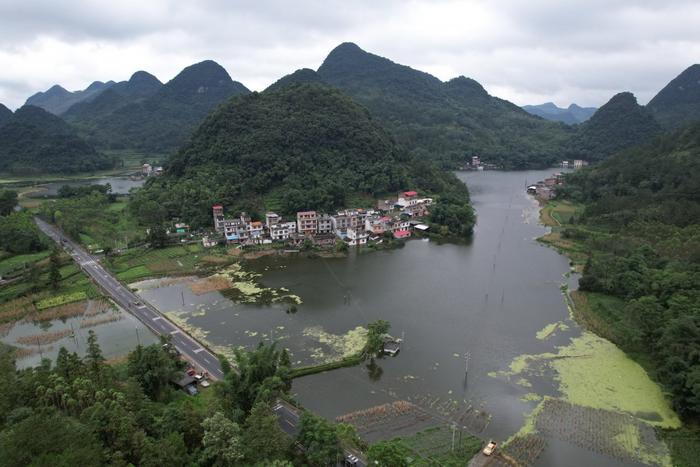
{"x": 12, "y": 263}
{"x": 140, "y": 263}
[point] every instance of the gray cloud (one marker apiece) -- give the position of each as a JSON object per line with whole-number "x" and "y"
{"x": 529, "y": 52}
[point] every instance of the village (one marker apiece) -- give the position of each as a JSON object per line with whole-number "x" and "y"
{"x": 395, "y": 219}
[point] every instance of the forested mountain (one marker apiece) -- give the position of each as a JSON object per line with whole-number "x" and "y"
{"x": 678, "y": 103}
{"x": 619, "y": 124}
{"x": 140, "y": 86}
{"x": 571, "y": 115}
{"x": 5, "y": 114}
{"x": 161, "y": 121}
{"x": 442, "y": 121}
{"x": 57, "y": 100}
{"x": 35, "y": 141}
{"x": 641, "y": 230}
{"x": 301, "y": 76}
{"x": 304, "y": 146}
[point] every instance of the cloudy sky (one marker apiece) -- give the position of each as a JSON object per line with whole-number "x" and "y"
{"x": 530, "y": 51}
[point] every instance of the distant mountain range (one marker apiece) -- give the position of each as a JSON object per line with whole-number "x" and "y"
{"x": 57, "y": 99}
{"x": 144, "y": 114}
{"x": 34, "y": 141}
{"x": 570, "y": 115}
{"x": 441, "y": 121}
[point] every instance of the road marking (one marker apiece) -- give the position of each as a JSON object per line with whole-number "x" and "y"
{"x": 157, "y": 318}
{"x": 177, "y": 331}
{"x": 201, "y": 349}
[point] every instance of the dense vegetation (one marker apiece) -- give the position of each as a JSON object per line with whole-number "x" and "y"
{"x": 641, "y": 232}
{"x": 5, "y": 114}
{"x": 442, "y": 121}
{"x": 678, "y": 103}
{"x": 35, "y": 142}
{"x": 301, "y": 147}
{"x": 620, "y": 124}
{"x": 161, "y": 121}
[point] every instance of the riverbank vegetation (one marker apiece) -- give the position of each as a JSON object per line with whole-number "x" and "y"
{"x": 638, "y": 245}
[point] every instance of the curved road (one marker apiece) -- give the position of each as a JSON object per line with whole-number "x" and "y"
{"x": 192, "y": 350}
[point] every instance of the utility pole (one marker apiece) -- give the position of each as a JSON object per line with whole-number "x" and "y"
{"x": 454, "y": 427}
{"x": 138, "y": 339}
{"x": 466, "y": 364}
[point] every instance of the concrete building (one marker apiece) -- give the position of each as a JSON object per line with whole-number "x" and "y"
{"x": 307, "y": 222}
{"x": 324, "y": 224}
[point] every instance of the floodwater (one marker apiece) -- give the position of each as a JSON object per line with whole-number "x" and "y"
{"x": 116, "y": 338}
{"x": 120, "y": 185}
{"x": 487, "y": 299}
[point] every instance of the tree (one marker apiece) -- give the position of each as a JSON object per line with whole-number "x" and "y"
{"x": 320, "y": 440}
{"x": 48, "y": 438}
{"x": 221, "y": 442}
{"x": 167, "y": 451}
{"x": 153, "y": 368}
{"x": 375, "y": 337}
{"x": 388, "y": 454}
{"x": 54, "y": 268}
{"x": 93, "y": 358}
{"x": 263, "y": 439}
{"x": 259, "y": 377}
{"x": 157, "y": 236}
{"x": 8, "y": 201}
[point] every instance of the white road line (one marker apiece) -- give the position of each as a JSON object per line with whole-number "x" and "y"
{"x": 199, "y": 350}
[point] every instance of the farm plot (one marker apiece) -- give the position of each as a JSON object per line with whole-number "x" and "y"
{"x": 614, "y": 434}
{"x": 440, "y": 446}
{"x": 474, "y": 419}
{"x": 525, "y": 449}
{"x": 387, "y": 420}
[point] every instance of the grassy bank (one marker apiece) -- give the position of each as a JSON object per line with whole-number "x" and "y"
{"x": 315, "y": 369}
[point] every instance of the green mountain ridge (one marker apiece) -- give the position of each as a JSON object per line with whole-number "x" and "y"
{"x": 35, "y": 141}
{"x": 678, "y": 103}
{"x": 443, "y": 121}
{"x": 161, "y": 121}
{"x": 304, "y": 146}
{"x": 619, "y": 124}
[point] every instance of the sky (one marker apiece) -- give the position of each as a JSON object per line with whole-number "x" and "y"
{"x": 526, "y": 51}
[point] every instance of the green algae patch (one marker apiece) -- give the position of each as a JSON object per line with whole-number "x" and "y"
{"x": 550, "y": 330}
{"x": 531, "y": 397}
{"x": 246, "y": 288}
{"x": 595, "y": 373}
{"x": 335, "y": 346}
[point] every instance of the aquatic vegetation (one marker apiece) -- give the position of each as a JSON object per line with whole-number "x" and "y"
{"x": 209, "y": 284}
{"x": 44, "y": 337}
{"x": 91, "y": 323}
{"x": 338, "y": 346}
{"x": 551, "y": 329}
{"x": 180, "y": 319}
{"x": 593, "y": 372}
{"x": 60, "y": 300}
{"x": 531, "y": 397}
{"x": 68, "y": 310}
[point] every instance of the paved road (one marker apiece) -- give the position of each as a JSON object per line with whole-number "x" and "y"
{"x": 288, "y": 418}
{"x": 192, "y": 350}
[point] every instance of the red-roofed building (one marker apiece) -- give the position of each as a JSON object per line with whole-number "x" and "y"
{"x": 407, "y": 198}
{"x": 399, "y": 234}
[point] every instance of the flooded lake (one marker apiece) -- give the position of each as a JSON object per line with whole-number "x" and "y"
{"x": 487, "y": 299}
